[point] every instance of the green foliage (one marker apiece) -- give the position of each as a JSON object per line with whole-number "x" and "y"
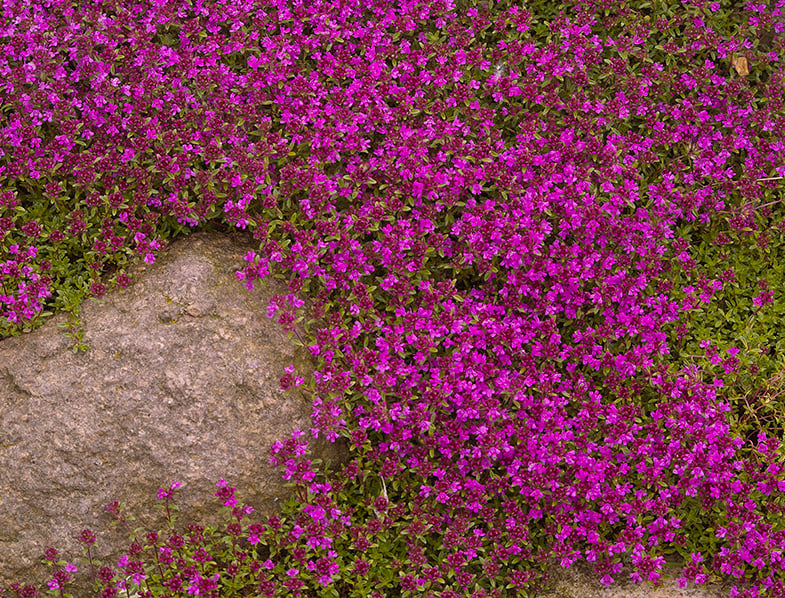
{"x": 757, "y": 258}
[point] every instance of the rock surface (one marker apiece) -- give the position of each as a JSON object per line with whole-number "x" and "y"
{"x": 579, "y": 581}
{"x": 180, "y": 382}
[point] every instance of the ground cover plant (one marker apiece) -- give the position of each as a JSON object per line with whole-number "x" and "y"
{"x": 544, "y": 242}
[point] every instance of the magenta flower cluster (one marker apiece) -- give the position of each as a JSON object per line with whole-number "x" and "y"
{"x": 488, "y": 250}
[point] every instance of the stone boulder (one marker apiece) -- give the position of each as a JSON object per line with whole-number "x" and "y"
{"x": 180, "y": 382}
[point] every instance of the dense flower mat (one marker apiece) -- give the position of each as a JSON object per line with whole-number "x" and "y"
{"x": 544, "y": 247}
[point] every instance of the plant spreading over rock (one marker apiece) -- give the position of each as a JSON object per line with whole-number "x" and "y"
{"x": 514, "y": 267}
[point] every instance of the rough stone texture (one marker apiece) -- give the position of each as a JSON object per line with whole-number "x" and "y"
{"x": 579, "y": 581}
{"x": 180, "y": 382}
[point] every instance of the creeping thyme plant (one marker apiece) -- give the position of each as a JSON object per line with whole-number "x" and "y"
{"x": 544, "y": 241}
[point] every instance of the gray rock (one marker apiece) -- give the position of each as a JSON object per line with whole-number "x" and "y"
{"x": 579, "y": 581}
{"x": 180, "y": 382}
